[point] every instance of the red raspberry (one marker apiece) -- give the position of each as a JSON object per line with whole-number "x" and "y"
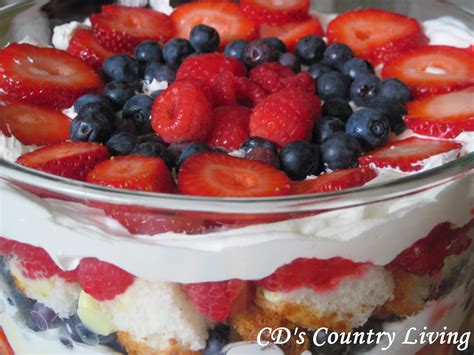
{"x": 285, "y": 116}
{"x": 230, "y": 127}
{"x": 249, "y": 94}
{"x": 102, "y": 280}
{"x": 228, "y": 89}
{"x": 303, "y": 81}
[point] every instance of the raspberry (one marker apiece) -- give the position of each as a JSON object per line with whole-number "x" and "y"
{"x": 230, "y": 127}
{"x": 249, "y": 94}
{"x": 303, "y": 81}
{"x": 285, "y": 116}
{"x": 102, "y": 280}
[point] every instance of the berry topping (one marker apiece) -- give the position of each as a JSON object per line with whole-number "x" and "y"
{"x": 337, "y": 107}
{"x": 340, "y": 151}
{"x": 356, "y": 66}
{"x": 300, "y": 159}
{"x": 278, "y": 45}
{"x": 230, "y": 127}
{"x": 290, "y": 60}
{"x": 376, "y": 35}
{"x": 257, "y": 142}
{"x": 121, "y": 143}
{"x": 310, "y": 49}
{"x": 393, "y": 110}
{"x": 364, "y": 88}
{"x": 337, "y": 55}
{"x": 122, "y": 67}
{"x": 220, "y": 175}
{"x": 182, "y": 151}
{"x": 275, "y": 12}
{"x": 149, "y": 51}
{"x": 117, "y": 93}
{"x": 45, "y": 76}
{"x": 325, "y": 127}
{"x": 138, "y": 110}
{"x": 235, "y": 49}
{"x": 204, "y": 39}
{"x": 89, "y": 99}
{"x": 395, "y": 89}
{"x": 333, "y": 85}
{"x": 370, "y": 127}
{"x": 176, "y": 51}
{"x": 259, "y": 51}
{"x": 159, "y": 72}
{"x": 91, "y": 125}
{"x": 407, "y": 154}
{"x": 266, "y": 155}
{"x": 230, "y": 90}
{"x": 153, "y": 150}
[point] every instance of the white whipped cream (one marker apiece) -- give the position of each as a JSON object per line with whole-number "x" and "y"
{"x": 70, "y": 112}
{"x": 448, "y": 31}
{"x": 161, "y": 6}
{"x": 11, "y": 148}
{"x": 155, "y": 85}
{"x": 133, "y": 3}
{"x": 62, "y": 34}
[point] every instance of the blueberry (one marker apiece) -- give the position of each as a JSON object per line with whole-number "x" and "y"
{"x": 176, "y": 50}
{"x": 112, "y": 342}
{"x": 374, "y": 325}
{"x": 66, "y": 342}
{"x": 340, "y": 151}
{"x": 153, "y": 150}
{"x": 321, "y": 337}
{"x": 122, "y": 67}
{"x": 138, "y": 110}
{"x": 149, "y": 51}
{"x": 277, "y": 44}
{"x": 310, "y": 49}
{"x": 370, "y": 127}
{"x": 267, "y": 155}
{"x": 118, "y": 92}
{"x": 125, "y": 126}
{"x": 87, "y": 99}
{"x": 364, "y": 88}
{"x": 356, "y": 66}
{"x": 318, "y": 69}
{"x": 300, "y": 159}
{"x": 395, "y": 89}
{"x": 44, "y": 317}
{"x": 235, "y": 49}
{"x": 333, "y": 84}
{"x": 394, "y": 110}
{"x": 74, "y": 327}
{"x": 90, "y": 126}
{"x": 204, "y": 39}
{"x": 217, "y": 339}
{"x": 154, "y": 95}
{"x": 258, "y": 52}
{"x": 290, "y": 60}
{"x": 159, "y": 72}
{"x": 188, "y": 151}
{"x": 99, "y": 108}
{"x": 337, "y": 54}
{"x": 324, "y": 127}
{"x": 337, "y": 107}
{"x": 121, "y": 143}
{"x": 151, "y": 137}
{"x": 257, "y": 142}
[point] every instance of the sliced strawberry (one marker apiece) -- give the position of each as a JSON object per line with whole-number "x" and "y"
{"x": 376, "y": 35}
{"x": 276, "y": 12}
{"x": 226, "y": 17}
{"x": 32, "y": 124}
{"x": 45, "y": 76}
{"x": 5, "y": 347}
{"x": 221, "y": 175}
{"x": 292, "y": 32}
{"x": 71, "y": 160}
{"x": 444, "y": 116}
{"x": 121, "y": 28}
{"x": 432, "y": 70}
{"x": 336, "y": 181}
{"x": 230, "y": 127}
{"x": 133, "y": 172}
{"x": 83, "y": 45}
{"x": 407, "y": 154}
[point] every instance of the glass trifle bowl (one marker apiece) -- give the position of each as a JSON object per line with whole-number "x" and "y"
{"x": 372, "y": 269}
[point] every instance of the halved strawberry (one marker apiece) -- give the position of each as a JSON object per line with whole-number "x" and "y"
{"x": 83, "y": 45}
{"x": 444, "y": 116}
{"x": 72, "y": 160}
{"x": 225, "y": 17}
{"x": 5, "y": 347}
{"x": 221, "y": 175}
{"x": 276, "y": 12}
{"x": 121, "y": 28}
{"x": 45, "y": 76}
{"x": 133, "y": 172}
{"x": 32, "y": 124}
{"x": 407, "y": 154}
{"x": 376, "y": 35}
{"x": 335, "y": 181}
{"x": 432, "y": 70}
{"x": 292, "y": 32}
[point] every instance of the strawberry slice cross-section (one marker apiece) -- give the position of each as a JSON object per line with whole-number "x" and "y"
{"x": 276, "y": 12}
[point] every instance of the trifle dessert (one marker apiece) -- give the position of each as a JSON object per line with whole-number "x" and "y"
{"x": 223, "y": 178}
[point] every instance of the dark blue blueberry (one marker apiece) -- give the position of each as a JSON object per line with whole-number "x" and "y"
{"x": 300, "y": 159}
{"x": 322, "y": 337}
{"x": 333, "y": 84}
{"x": 66, "y": 342}
{"x": 337, "y": 107}
{"x": 370, "y": 127}
{"x": 340, "y": 151}
{"x": 154, "y": 95}
{"x": 138, "y": 110}
{"x": 153, "y": 150}
{"x": 99, "y": 108}
{"x": 23, "y": 304}
{"x": 310, "y": 49}
{"x": 151, "y": 137}
{"x": 394, "y": 110}
{"x": 122, "y": 67}
{"x": 44, "y": 317}
{"x": 188, "y": 151}
{"x": 235, "y": 49}
{"x": 318, "y": 69}
{"x": 395, "y": 89}
{"x": 90, "y": 126}
{"x": 159, "y": 72}
{"x": 204, "y": 39}
{"x": 87, "y": 99}
{"x": 326, "y": 126}
{"x": 290, "y": 60}
{"x": 277, "y": 44}
{"x": 258, "y": 52}
{"x": 337, "y": 54}
{"x": 112, "y": 342}
{"x": 118, "y": 92}
{"x": 374, "y": 325}
{"x": 121, "y": 143}
{"x": 149, "y": 51}
{"x": 176, "y": 50}
{"x": 257, "y": 142}
{"x": 356, "y": 66}
{"x": 267, "y": 155}
{"x": 218, "y": 338}
{"x": 79, "y": 332}
{"x": 125, "y": 126}
{"x": 364, "y": 88}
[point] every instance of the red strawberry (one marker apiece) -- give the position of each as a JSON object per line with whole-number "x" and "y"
{"x": 276, "y": 12}
{"x": 292, "y": 32}
{"x": 133, "y": 172}
{"x": 45, "y": 76}
{"x": 83, "y": 45}
{"x": 121, "y": 28}
{"x": 376, "y": 35}
{"x": 444, "y": 116}
{"x": 215, "y": 299}
{"x": 317, "y": 274}
{"x": 102, "y": 280}
{"x": 285, "y": 116}
{"x": 225, "y": 17}
{"x": 32, "y": 124}
{"x": 182, "y": 113}
{"x": 228, "y": 89}
{"x": 336, "y": 181}
{"x": 71, "y": 160}
{"x": 230, "y": 127}
{"x": 221, "y": 175}
{"x": 454, "y": 70}
{"x": 407, "y": 154}
{"x": 5, "y": 347}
